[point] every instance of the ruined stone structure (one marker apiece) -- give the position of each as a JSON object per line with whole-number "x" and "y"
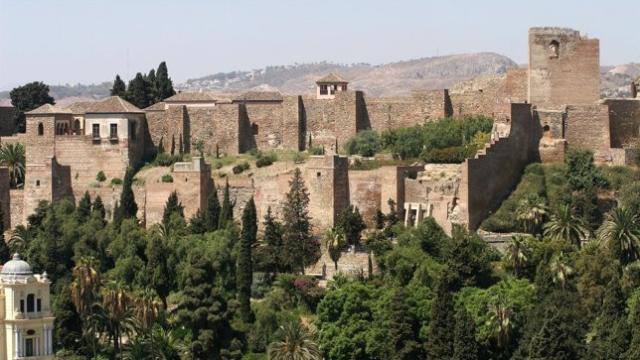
{"x": 540, "y": 112}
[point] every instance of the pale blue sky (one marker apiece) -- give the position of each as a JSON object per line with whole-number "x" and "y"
{"x": 70, "y": 41}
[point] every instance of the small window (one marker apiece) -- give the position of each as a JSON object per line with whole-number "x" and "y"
{"x": 37, "y": 182}
{"x": 40, "y": 129}
{"x": 554, "y": 49}
{"x": 344, "y": 87}
{"x": 22, "y": 305}
{"x": 39, "y": 305}
{"x": 113, "y": 131}
{"x": 333, "y": 89}
{"x": 76, "y": 126}
{"x": 31, "y": 302}
{"x": 318, "y": 174}
{"x": 324, "y": 90}
{"x": 254, "y": 129}
{"x": 28, "y": 347}
{"x": 95, "y": 131}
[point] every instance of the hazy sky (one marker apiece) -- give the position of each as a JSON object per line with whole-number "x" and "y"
{"x": 70, "y": 41}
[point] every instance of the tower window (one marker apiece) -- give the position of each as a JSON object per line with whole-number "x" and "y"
{"x": 31, "y": 300}
{"x": 554, "y": 49}
{"x": 22, "y": 305}
{"x": 324, "y": 90}
{"x": 254, "y": 129}
{"x": 40, "y": 129}
{"x": 37, "y": 182}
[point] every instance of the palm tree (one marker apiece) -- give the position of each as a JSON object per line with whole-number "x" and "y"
{"x": 138, "y": 348}
{"x": 20, "y": 238}
{"x": 146, "y": 305}
{"x": 563, "y": 225}
{"x": 560, "y": 269}
{"x": 86, "y": 280}
{"x": 12, "y": 156}
{"x": 115, "y": 324}
{"x": 620, "y": 232}
{"x": 518, "y": 252}
{"x": 500, "y": 321}
{"x": 166, "y": 344}
{"x": 531, "y": 212}
{"x": 334, "y": 240}
{"x": 296, "y": 344}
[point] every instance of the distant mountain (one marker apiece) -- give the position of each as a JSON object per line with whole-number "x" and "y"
{"x": 392, "y": 79}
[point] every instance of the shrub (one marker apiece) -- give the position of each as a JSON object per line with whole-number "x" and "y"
{"x": 101, "y": 177}
{"x": 365, "y": 143}
{"x": 316, "y": 151}
{"x": 116, "y": 181}
{"x": 298, "y": 157}
{"x": 167, "y": 178}
{"x": 454, "y": 154}
{"x": 266, "y": 160}
{"x": 166, "y": 159}
{"x": 240, "y": 167}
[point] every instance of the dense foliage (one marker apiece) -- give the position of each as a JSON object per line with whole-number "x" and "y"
{"x": 28, "y": 97}
{"x": 145, "y": 89}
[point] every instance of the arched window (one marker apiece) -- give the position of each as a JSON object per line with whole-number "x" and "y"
{"x": 40, "y": 129}
{"x": 31, "y": 303}
{"x": 554, "y": 49}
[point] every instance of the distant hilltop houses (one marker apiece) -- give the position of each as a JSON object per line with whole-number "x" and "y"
{"x": 539, "y": 113}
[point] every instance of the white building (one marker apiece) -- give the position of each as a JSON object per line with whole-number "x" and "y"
{"x": 26, "y": 321}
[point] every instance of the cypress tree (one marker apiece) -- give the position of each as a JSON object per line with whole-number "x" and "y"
{"x": 442, "y": 326}
{"x": 119, "y": 88}
{"x": 173, "y": 206}
{"x": 84, "y": 206}
{"x": 138, "y": 91}
{"x": 180, "y": 146}
{"x": 226, "y": 213}
{"x": 161, "y": 145}
{"x": 465, "y": 346}
{"x": 117, "y": 215}
{"x": 152, "y": 92}
{"x": 299, "y": 247}
{"x": 403, "y": 330}
{"x": 351, "y": 224}
{"x": 273, "y": 244}
{"x": 5, "y": 254}
{"x": 212, "y": 211}
{"x": 611, "y": 336}
{"x": 164, "y": 85}
{"x": 197, "y": 223}
{"x": 173, "y": 144}
{"x": 128, "y": 207}
{"x": 98, "y": 208}
{"x": 245, "y": 265}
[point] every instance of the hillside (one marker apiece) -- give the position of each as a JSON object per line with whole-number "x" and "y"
{"x": 392, "y": 79}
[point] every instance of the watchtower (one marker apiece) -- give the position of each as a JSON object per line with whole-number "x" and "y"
{"x": 329, "y": 85}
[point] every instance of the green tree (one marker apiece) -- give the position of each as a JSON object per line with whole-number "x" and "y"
{"x": 158, "y": 254}
{"x": 465, "y": 346}
{"x": 333, "y": 242}
{"x": 197, "y": 223}
{"x": 404, "y": 329}
{"x": 97, "y": 208}
{"x": 67, "y": 324}
{"x": 350, "y": 223}
{"x": 138, "y": 91}
{"x": 517, "y": 254}
{"x": 563, "y": 225}
{"x": 560, "y": 268}
{"x": 583, "y": 181}
{"x": 164, "y": 85}
{"x": 299, "y": 247}
{"x": 151, "y": 87}
{"x": 5, "y": 255}
{"x": 226, "y": 212}
{"x": 634, "y": 342}
{"x": 119, "y": 88}
{"x": 620, "y": 233}
{"x": 440, "y": 337}
{"x": 173, "y": 206}
{"x": 128, "y": 207}
{"x": 531, "y": 212}
{"x": 84, "y": 207}
{"x": 28, "y": 97}
{"x": 244, "y": 272}
{"x": 85, "y": 285}
{"x": 296, "y": 343}
{"x": 468, "y": 258}
{"x": 212, "y": 211}
{"x": 269, "y": 252}
{"x": 609, "y": 337}
{"x": 13, "y": 157}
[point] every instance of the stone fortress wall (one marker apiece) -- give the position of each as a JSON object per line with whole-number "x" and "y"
{"x": 540, "y": 112}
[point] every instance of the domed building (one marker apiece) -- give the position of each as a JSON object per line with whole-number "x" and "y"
{"x": 26, "y": 321}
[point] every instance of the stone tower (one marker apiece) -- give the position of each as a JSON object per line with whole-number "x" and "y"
{"x": 327, "y": 178}
{"x": 564, "y": 68}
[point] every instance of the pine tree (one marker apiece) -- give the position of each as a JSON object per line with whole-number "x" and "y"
{"x": 173, "y": 206}
{"x": 440, "y": 337}
{"x": 138, "y": 91}
{"x": 128, "y": 207}
{"x": 404, "y": 330}
{"x": 272, "y": 249}
{"x": 226, "y": 213}
{"x": 5, "y": 254}
{"x": 164, "y": 85}
{"x": 299, "y": 247}
{"x": 465, "y": 346}
{"x": 97, "y": 208}
{"x": 212, "y": 211}
{"x": 119, "y": 88}
{"x": 197, "y": 223}
{"x": 84, "y": 206}
{"x": 350, "y": 223}
{"x": 152, "y": 92}
{"x": 244, "y": 271}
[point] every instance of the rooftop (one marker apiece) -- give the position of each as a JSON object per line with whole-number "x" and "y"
{"x": 331, "y": 79}
{"x": 16, "y": 268}
{"x": 112, "y": 104}
{"x": 48, "y": 109}
{"x": 191, "y": 97}
{"x": 155, "y": 107}
{"x": 259, "y": 96}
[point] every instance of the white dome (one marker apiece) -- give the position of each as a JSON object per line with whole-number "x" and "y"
{"x": 16, "y": 268}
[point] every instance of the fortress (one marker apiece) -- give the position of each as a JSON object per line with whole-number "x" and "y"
{"x": 539, "y": 112}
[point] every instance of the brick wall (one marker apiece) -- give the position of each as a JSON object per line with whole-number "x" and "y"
{"x": 16, "y": 206}
{"x": 573, "y": 77}
{"x": 489, "y": 177}
{"x": 587, "y": 127}
{"x": 328, "y": 120}
{"x": 5, "y": 197}
{"x": 624, "y": 115}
